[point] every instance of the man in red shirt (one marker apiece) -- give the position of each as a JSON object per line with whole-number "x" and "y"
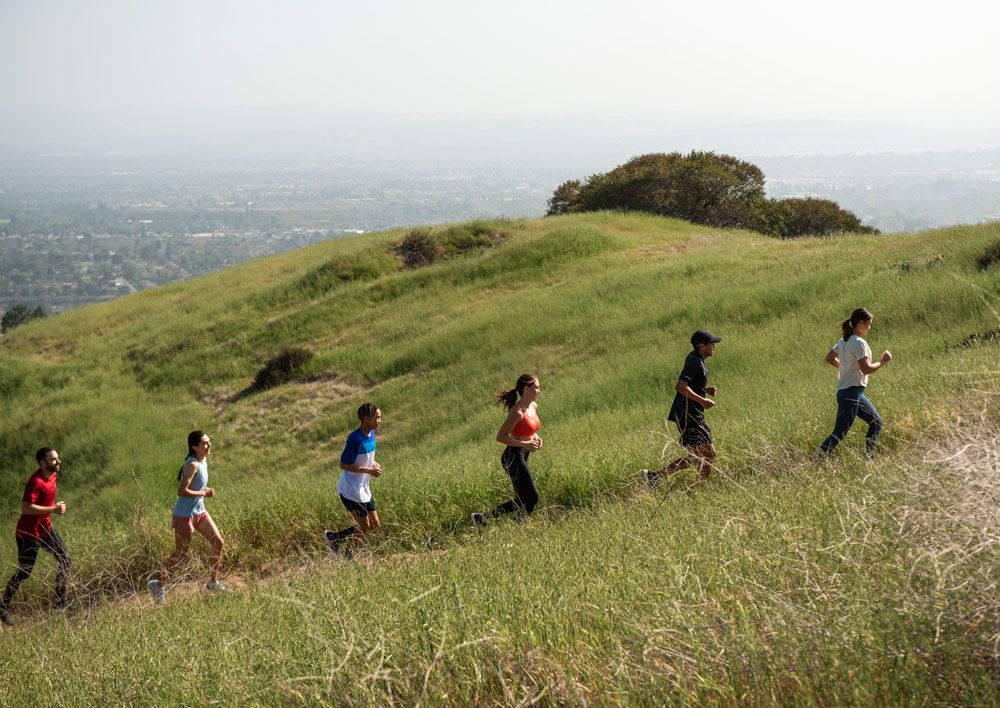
{"x": 34, "y": 530}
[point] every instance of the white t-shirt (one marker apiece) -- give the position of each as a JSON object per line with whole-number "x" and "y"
{"x": 850, "y": 352}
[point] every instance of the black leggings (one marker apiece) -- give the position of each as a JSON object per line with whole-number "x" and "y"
{"x": 515, "y": 463}
{"x": 27, "y": 553}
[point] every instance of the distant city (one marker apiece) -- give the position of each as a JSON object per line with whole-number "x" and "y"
{"x": 73, "y": 232}
{"x": 83, "y": 226}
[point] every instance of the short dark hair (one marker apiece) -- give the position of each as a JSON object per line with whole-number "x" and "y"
{"x": 43, "y": 453}
{"x": 367, "y": 410}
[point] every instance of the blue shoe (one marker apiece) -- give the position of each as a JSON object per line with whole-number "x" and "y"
{"x": 157, "y": 591}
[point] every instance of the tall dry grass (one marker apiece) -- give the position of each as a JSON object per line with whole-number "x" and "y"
{"x": 950, "y": 525}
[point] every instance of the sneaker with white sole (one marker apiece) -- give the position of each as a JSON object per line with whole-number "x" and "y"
{"x": 157, "y": 591}
{"x": 650, "y": 477}
{"x": 216, "y": 586}
{"x": 478, "y": 519}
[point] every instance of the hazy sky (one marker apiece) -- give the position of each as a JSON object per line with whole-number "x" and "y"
{"x": 724, "y": 62}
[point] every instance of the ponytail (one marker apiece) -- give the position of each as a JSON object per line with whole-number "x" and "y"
{"x": 848, "y": 325}
{"x": 507, "y": 399}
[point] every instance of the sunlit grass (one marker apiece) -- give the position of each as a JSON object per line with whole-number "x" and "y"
{"x": 770, "y": 584}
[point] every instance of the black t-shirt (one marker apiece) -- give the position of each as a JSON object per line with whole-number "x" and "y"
{"x": 695, "y": 373}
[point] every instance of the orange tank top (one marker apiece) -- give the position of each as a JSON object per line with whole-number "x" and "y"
{"x": 527, "y": 426}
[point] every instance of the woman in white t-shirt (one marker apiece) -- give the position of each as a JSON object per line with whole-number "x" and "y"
{"x": 853, "y": 358}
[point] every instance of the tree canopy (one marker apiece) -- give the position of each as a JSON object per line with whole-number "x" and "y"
{"x": 18, "y": 315}
{"x": 704, "y": 188}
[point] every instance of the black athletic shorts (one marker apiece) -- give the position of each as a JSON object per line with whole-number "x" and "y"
{"x": 360, "y": 508}
{"x": 694, "y": 431}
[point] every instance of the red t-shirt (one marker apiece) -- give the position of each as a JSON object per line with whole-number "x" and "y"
{"x": 42, "y": 492}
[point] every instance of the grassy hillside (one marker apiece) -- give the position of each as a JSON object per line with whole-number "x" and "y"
{"x": 600, "y": 307}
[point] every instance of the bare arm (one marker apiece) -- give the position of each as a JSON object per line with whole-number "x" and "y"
{"x": 867, "y": 367}
{"x": 832, "y": 359}
{"x": 375, "y": 470}
{"x": 685, "y": 390}
{"x": 38, "y": 510}
{"x": 184, "y": 490}
{"x": 505, "y": 435}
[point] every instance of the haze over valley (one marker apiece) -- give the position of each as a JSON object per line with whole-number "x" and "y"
{"x": 94, "y": 205}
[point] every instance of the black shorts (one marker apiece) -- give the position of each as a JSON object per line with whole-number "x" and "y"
{"x": 360, "y": 508}
{"x": 694, "y": 431}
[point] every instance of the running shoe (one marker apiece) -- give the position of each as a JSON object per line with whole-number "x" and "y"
{"x": 333, "y": 542}
{"x": 157, "y": 591}
{"x": 216, "y": 586}
{"x": 650, "y": 478}
{"x": 478, "y": 519}
{"x": 5, "y": 617}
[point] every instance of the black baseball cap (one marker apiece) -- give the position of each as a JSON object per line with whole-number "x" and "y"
{"x": 704, "y": 337}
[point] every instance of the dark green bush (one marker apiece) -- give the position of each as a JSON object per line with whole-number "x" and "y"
{"x": 282, "y": 368}
{"x": 422, "y": 248}
{"x": 419, "y": 248}
{"x": 565, "y": 199}
{"x": 788, "y": 218}
{"x": 989, "y": 256}
{"x": 18, "y": 315}
{"x": 701, "y": 187}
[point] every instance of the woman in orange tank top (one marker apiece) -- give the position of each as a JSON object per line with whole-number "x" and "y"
{"x": 519, "y": 433}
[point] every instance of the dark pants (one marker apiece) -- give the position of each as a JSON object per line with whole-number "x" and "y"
{"x": 27, "y": 553}
{"x": 515, "y": 463}
{"x": 851, "y": 404}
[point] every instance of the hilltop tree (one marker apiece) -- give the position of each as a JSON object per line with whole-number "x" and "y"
{"x": 702, "y": 187}
{"x": 564, "y": 198}
{"x": 18, "y": 315}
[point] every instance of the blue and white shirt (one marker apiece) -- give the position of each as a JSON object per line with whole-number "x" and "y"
{"x": 360, "y": 451}
{"x": 192, "y": 506}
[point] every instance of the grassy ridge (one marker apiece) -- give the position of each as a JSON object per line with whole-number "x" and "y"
{"x": 600, "y": 307}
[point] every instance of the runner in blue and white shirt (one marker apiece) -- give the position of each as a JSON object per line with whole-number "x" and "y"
{"x": 358, "y": 466}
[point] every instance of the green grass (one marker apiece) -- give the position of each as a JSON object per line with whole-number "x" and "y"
{"x": 722, "y": 594}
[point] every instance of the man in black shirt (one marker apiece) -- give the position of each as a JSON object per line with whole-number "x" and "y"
{"x": 688, "y": 411}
